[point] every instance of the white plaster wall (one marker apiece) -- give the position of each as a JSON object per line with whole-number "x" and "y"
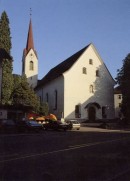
{"x": 117, "y": 101}
{"x": 32, "y": 75}
{"x": 77, "y": 84}
{"x": 57, "y": 84}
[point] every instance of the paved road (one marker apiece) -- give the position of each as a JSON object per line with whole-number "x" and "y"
{"x": 90, "y": 154}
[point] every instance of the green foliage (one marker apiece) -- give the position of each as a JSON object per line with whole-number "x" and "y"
{"x": 44, "y": 109}
{"x": 123, "y": 79}
{"x": 5, "y": 38}
{"x": 24, "y": 95}
{"x": 7, "y": 82}
{"x": 5, "y": 43}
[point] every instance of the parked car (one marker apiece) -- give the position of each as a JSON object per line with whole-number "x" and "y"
{"x": 7, "y": 126}
{"x": 29, "y": 125}
{"x": 56, "y": 125}
{"x": 74, "y": 124}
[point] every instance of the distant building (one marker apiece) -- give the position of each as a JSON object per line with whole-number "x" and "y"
{"x": 117, "y": 101}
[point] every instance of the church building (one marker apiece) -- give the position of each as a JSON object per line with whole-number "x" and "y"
{"x": 80, "y": 87}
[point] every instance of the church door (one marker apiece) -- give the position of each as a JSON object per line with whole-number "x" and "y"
{"x": 91, "y": 114}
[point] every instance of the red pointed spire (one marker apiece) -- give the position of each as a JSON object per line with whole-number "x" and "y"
{"x": 30, "y": 43}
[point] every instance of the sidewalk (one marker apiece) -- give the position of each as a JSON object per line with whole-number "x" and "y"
{"x": 111, "y": 128}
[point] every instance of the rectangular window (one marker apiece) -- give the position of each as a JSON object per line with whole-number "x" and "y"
{"x": 77, "y": 111}
{"x": 97, "y": 73}
{"x": 84, "y": 70}
{"x": 90, "y": 61}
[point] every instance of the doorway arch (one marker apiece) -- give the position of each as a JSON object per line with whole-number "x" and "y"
{"x": 91, "y": 114}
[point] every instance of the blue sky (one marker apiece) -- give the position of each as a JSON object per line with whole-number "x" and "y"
{"x": 63, "y": 27}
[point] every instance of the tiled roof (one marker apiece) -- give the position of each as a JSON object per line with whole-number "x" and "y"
{"x": 61, "y": 68}
{"x": 4, "y": 55}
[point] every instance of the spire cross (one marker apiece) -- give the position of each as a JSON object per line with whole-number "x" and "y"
{"x": 30, "y": 12}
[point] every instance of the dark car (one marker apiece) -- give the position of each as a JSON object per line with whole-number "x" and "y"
{"x": 29, "y": 126}
{"x": 8, "y": 126}
{"x": 56, "y": 125}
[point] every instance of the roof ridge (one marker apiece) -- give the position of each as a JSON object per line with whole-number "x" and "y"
{"x": 62, "y": 67}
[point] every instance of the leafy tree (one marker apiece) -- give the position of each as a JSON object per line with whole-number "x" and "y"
{"x": 5, "y": 43}
{"x": 123, "y": 79}
{"x": 44, "y": 109}
{"x": 23, "y": 94}
{"x": 5, "y": 38}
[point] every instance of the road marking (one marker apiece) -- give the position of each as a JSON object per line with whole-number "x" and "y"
{"x": 96, "y": 143}
{"x": 74, "y": 147}
{"x": 118, "y": 175}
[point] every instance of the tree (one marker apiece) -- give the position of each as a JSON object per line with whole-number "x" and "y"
{"x": 23, "y": 94}
{"x": 5, "y": 38}
{"x": 123, "y": 79}
{"x": 44, "y": 109}
{"x": 5, "y": 43}
{"x": 7, "y": 82}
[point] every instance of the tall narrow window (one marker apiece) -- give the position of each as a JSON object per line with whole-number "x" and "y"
{"x": 77, "y": 111}
{"x": 91, "y": 89}
{"x": 31, "y": 66}
{"x": 47, "y": 97}
{"x": 84, "y": 70}
{"x": 55, "y": 103}
{"x": 97, "y": 73}
{"x": 90, "y": 61}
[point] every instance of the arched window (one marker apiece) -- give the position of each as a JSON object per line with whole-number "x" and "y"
{"x": 31, "y": 66}
{"x": 91, "y": 89}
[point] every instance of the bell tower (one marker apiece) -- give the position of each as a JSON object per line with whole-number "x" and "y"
{"x": 30, "y": 59}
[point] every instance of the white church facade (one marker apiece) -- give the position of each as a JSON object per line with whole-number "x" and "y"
{"x": 80, "y": 87}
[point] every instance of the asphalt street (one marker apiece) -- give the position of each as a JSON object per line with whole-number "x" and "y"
{"x": 90, "y": 154}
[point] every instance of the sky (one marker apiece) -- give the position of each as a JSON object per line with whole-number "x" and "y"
{"x": 63, "y": 27}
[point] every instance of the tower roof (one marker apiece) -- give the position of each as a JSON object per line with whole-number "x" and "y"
{"x": 30, "y": 43}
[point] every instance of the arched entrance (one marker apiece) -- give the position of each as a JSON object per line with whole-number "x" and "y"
{"x": 91, "y": 114}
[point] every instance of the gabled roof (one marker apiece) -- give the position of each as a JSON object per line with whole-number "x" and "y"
{"x": 61, "y": 68}
{"x": 4, "y": 55}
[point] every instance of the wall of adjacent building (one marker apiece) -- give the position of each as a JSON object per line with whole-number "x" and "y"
{"x": 50, "y": 88}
